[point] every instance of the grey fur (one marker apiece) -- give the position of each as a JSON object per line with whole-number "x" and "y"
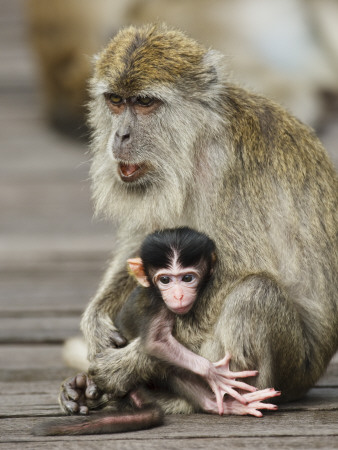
{"x": 236, "y": 166}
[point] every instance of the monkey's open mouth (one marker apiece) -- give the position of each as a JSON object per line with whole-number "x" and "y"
{"x": 131, "y": 172}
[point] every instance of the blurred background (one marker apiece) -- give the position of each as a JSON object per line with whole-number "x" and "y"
{"x": 286, "y": 49}
{"x": 51, "y": 251}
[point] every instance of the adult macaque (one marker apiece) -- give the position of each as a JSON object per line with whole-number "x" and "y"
{"x": 175, "y": 143}
{"x": 175, "y": 268}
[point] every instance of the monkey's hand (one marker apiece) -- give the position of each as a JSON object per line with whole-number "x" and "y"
{"x": 78, "y": 394}
{"x": 253, "y": 407}
{"x": 222, "y": 381}
{"x": 106, "y": 336}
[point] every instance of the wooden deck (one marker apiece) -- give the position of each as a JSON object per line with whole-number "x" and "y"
{"x": 51, "y": 257}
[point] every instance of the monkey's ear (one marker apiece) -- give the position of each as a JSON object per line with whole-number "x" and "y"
{"x": 137, "y": 270}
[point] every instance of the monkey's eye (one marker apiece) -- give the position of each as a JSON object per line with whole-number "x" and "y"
{"x": 145, "y": 101}
{"x": 188, "y": 278}
{"x": 164, "y": 279}
{"x": 114, "y": 99}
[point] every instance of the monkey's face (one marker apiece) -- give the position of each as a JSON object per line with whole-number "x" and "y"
{"x": 131, "y": 146}
{"x": 153, "y": 109}
{"x": 178, "y": 288}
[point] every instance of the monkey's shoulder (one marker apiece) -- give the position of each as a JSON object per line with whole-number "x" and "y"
{"x": 136, "y": 313}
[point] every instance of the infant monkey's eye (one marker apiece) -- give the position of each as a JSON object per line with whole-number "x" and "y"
{"x": 165, "y": 280}
{"x": 188, "y": 278}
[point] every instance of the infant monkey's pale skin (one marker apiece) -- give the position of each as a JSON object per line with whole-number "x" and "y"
{"x": 174, "y": 269}
{"x": 175, "y": 266}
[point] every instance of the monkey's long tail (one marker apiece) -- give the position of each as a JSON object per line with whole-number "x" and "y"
{"x": 104, "y": 422}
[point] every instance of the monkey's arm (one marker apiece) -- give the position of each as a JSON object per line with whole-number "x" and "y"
{"x": 98, "y": 319}
{"x": 97, "y": 323}
{"x": 160, "y": 343}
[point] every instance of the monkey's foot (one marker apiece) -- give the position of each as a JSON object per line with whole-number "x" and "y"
{"x": 223, "y": 381}
{"x": 253, "y": 407}
{"x": 76, "y": 392}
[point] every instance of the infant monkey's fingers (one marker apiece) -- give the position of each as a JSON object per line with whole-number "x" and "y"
{"x": 253, "y": 412}
{"x": 260, "y": 405}
{"x": 261, "y": 395}
{"x": 219, "y": 400}
{"x": 241, "y": 385}
{"x": 236, "y": 395}
{"x": 244, "y": 374}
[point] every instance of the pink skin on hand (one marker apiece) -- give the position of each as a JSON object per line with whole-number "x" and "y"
{"x": 232, "y": 406}
{"x": 223, "y": 381}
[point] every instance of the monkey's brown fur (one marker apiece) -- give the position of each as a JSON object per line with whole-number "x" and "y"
{"x": 236, "y": 166}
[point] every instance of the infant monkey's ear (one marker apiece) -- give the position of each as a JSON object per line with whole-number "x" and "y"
{"x": 135, "y": 268}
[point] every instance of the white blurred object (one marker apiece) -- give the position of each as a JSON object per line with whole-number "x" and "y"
{"x": 285, "y": 49}
{"x": 74, "y": 354}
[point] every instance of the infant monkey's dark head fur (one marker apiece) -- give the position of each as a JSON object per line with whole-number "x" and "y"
{"x": 188, "y": 247}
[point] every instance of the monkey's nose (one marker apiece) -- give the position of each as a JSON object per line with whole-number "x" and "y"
{"x": 178, "y": 294}
{"x": 122, "y": 137}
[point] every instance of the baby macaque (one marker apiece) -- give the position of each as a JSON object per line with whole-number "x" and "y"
{"x": 175, "y": 267}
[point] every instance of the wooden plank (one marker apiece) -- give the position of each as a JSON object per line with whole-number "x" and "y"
{"x": 17, "y": 65}
{"x": 38, "y": 329}
{"x": 67, "y": 288}
{"x": 32, "y": 363}
{"x": 20, "y": 357}
{"x": 34, "y": 151}
{"x": 201, "y": 426}
{"x": 48, "y": 207}
{"x": 30, "y": 405}
{"x": 37, "y": 375}
{"x": 26, "y": 387}
{"x": 73, "y": 443}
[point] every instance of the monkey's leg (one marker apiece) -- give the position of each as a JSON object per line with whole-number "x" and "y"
{"x": 97, "y": 323}
{"x": 261, "y": 329}
{"x": 118, "y": 371}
